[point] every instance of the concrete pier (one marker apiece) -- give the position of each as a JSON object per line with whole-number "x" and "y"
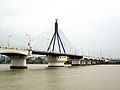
{"x": 89, "y": 62}
{"x": 75, "y": 62}
{"x": 17, "y": 56}
{"x": 83, "y": 62}
{"x": 94, "y": 62}
{"x": 56, "y": 61}
{"x": 18, "y": 62}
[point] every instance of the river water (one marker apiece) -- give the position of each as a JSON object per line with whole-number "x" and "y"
{"x": 41, "y": 77}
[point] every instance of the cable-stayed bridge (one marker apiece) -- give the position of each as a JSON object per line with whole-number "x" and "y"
{"x": 57, "y": 48}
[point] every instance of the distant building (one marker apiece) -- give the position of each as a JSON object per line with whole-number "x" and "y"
{"x": 36, "y": 60}
{"x": 4, "y": 59}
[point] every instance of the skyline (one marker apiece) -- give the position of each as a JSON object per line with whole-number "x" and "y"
{"x": 92, "y": 25}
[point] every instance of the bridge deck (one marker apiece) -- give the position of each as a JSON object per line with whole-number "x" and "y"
{"x": 56, "y": 54}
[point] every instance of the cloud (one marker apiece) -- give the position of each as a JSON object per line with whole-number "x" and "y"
{"x": 93, "y": 23}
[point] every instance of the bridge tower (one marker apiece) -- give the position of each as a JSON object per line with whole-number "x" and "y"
{"x": 56, "y": 37}
{"x": 56, "y": 60}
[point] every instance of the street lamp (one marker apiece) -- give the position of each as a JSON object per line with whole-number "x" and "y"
{"x": 101, "y": 55}
{"x": 29, "y": 41}
{"x": 9, "y": 41}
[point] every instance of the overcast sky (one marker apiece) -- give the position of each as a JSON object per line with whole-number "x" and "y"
{"x": 93, "y": 25}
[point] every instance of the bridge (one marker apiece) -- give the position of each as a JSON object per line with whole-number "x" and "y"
{"x": 54, "y": 58}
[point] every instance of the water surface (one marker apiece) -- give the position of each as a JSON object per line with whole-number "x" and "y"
{"x": 41, "y": 77}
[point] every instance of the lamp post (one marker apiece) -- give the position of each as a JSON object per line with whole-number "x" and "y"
{"x": 29, "y": 41}
{"x": 9, "y": 41}
{"x": 101, "y": 55}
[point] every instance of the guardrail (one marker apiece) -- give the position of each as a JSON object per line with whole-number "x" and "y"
{"x": 13, "y": 48}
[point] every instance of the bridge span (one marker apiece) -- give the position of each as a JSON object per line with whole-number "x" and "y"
{"x": 18, "y": 56}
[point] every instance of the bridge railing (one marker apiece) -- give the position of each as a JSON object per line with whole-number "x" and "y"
{"x": 12, "y": 48}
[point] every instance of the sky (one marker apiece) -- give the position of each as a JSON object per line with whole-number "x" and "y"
{"x": 92, "y": 25}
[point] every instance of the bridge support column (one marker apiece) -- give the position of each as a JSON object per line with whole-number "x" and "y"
{"x": 18, "y": 62}
{"x": 89, "y": 62}
{"x": 75, "y": 62}
{"x": 94, "y": 62}
{"x": 56, "y": 61}
{"x": 83, "y": 62}
{"x": 98, "y": 61}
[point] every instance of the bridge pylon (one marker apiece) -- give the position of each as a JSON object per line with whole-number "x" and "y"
{"x": 56, "y": 60}
{"x": 56, "y": 37}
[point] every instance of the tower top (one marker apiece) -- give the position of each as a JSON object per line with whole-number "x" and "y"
{"x": 56, "y": 19}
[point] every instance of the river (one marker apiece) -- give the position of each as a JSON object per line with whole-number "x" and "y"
{"x": 41, "y": 77}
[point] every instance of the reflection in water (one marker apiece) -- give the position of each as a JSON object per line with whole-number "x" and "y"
{"x": 41, "y": 77}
